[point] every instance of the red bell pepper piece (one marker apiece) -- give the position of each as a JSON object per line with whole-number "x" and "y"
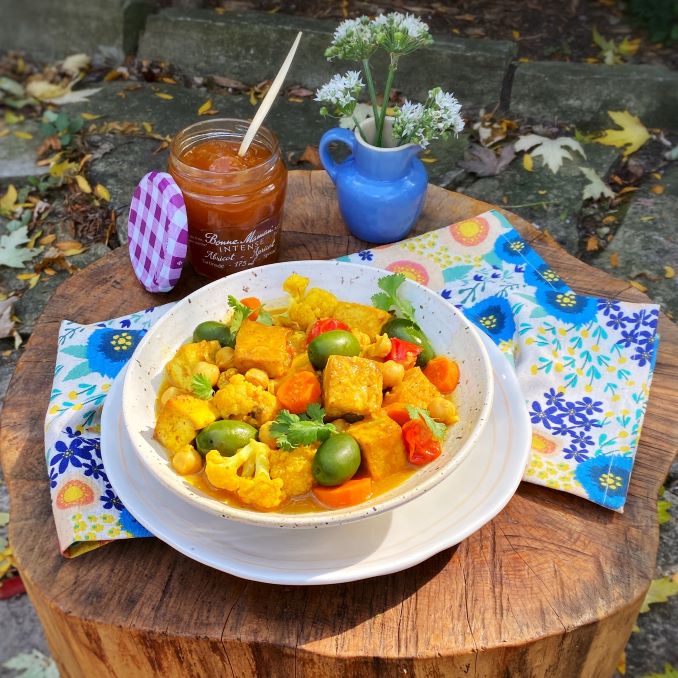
{"x": 422, "y": 446}
{"x": 404, "y": 352}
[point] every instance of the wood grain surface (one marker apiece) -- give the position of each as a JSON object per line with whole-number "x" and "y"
{"x": 551, "y": 587}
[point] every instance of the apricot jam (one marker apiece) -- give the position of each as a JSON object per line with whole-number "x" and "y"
{"x": 234, "y": 204}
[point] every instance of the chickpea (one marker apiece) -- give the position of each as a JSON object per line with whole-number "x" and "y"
{"x": 266, "y": 437}
{"x": 187, "y": 461}
{"x": 392, "y": 373}
{"x": 207, "y": 370}
{"x": 224, "y": 358}
{"x": 169, "y": 393}
{"x": 443, "y": 410}
{"x": 257, "y": 377}
{"x": 341, "y": 425}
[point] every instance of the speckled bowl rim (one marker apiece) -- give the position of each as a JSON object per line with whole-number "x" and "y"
{"x": 158, "y": 464}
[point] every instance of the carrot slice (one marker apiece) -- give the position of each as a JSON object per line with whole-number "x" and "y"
{"x": 253, "y": 303}
{"x": 350, "y": 493}
{"x": 298, "y": 392}
{"x": 398, "y": 412}
{"x": 443, "y": 373}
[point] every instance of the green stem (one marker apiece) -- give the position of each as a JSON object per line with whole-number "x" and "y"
{"x": 370, "y": 89}
{"x": 393, "y": 66}
{"x": 359, "y": 128}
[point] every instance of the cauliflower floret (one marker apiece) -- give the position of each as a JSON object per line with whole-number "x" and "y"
{"x": 246, "y": 474}
{"x": 380, "y": 348}
{"x": 306, "y": 308}
{"x": 240, "y": 399}
{"x": 294, "y": 469}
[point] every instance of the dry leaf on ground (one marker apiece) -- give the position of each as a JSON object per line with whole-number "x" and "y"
{"x": 596, "y": 188}
{"x": 7, "y": 322}
{"x": 552, "y": 151}
{"x": 632, "y": 135}
{"x": 485, "y": 162}
{"x": 12, "y": 253}
{"x": 311, "y": 156}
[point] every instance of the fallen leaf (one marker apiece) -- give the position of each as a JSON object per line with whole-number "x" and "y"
{"x": 592, "y": 244}
{"x": 637, "y": 285}
{"x": 8, "y": 201}
{"x": 12, "y": 586}
{"x": 528, "y": 162}
{"x": 552, "y": 151}
{"x": 148, "y": 127}
{"x": 83, "y": 184}
{"x": 31, "y": 278}
{"x": 32, "y": 664}
{"x": 4, "y": 518}
{"x": 207, "y": 109}
{"x": 6, "y": 330}
{"x": 596, "y": 188}
{"x": 657, "y": 189}
{"x": 485, "y": 162}
{"x": 12, "y": 118}
{"x": 65, "y": 245}
{"x": 23, "y": 135}
{"x": 12, "y": 253}
{"x": 647, "y": 218}
{"x": 669, "y": 672}
{"x": 169, "y": 81}
{"x": 230, "y": 83}
{"x": 164, "y": 95}
{"x": 253, "y": 97}
{"x": 621, "y": 664}
{"x": 299, "y": 91}
{"x": 627, "y": 189}
{"x": 102, "y": 192}
{"x": 11, "y": 87}
{"x": 669, "y": 272}
{"x": 89, "y": 116}
{"x": 74, "y": 64}
{"x": 663, "y": 509}
{"x": 632, "y": 135}
{"x": 311, "y": 156}
{"x": 516, "y": 35}
{"x": 660, "y": 591}
{"x": 614, "y": 260}
{"x": 609, "y": 219}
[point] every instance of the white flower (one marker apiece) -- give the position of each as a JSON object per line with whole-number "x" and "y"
{"x": 401, "y": 33}
{"x": 341, "y": 92}
{"x": 422, "y": 123}
{"x": 353, "y": 39}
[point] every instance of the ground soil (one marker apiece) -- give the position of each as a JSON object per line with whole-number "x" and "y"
{"x": 543, "y": 29}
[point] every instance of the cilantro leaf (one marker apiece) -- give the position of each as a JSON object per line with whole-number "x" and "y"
{"x": 240, "y": 312}
{"x": 264, "y": 317}
{"x": 292, "y": 430}
{"x": 389, "y": 300}
{"x": 435, "y": 427}
{"x": 201, "y": 387}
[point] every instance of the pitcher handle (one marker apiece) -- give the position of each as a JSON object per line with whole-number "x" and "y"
{"x": 336, "y": 134}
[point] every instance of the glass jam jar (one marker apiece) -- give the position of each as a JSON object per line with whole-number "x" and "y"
{"x": 234, "y": 205}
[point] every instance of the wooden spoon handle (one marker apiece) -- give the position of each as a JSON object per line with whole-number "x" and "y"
{"x": 269, "y": 98}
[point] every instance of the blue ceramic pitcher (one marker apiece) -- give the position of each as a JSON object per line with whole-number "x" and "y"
{"x": 380, "y": 190}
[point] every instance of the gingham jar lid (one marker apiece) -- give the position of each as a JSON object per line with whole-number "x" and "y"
{"x": 158, "y": 232}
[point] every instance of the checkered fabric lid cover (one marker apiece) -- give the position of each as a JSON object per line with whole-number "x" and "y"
{"x": 158, "y": 232}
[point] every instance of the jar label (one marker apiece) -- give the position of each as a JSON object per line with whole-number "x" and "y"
{"x": 222, "y": 254}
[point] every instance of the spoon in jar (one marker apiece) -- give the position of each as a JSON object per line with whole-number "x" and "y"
{"x": 268, "y": 99}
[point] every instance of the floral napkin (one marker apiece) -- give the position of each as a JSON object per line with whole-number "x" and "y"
{"x": 584, "y": 365}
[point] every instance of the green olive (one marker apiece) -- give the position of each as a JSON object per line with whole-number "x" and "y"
{"x": 334, "y": 342}
{"x": 226, "y": 436}
{"x": 408, "y": 331}
{"x": 336, "y": 460}
{"x": 211, "y": 330}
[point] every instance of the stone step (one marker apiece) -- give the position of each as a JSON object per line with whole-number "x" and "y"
{"x": 251, "y": 46}
{"x": 50, "y": 29}
{"x": 647, "y": 241}
{"x": 583, "y": 93}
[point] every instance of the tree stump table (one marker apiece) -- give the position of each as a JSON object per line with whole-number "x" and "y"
{"x": 551, "y": 587}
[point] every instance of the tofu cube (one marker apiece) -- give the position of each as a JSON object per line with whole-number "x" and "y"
{"x": 180, "y": 369}
{"x": 263, "y": 347}
{"x": 351, "y": 386}
{"x": 361, "y": 318}
{"x": 415, "y": 389}
{"x": 179, "y": 420}
{"x": 381, "y": 446}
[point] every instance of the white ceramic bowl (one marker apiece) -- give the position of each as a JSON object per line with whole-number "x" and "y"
{"x": 448, "y": 330}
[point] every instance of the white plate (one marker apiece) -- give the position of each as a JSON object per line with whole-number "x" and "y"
{"x": 392, "y": 541}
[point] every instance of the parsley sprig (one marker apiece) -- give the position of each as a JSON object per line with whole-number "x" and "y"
{"x": 292, "y": 430}
{"x": 389, "y": 300}
{"x": 240, "y": 312}
{"x": 202, "y": 387}
{"x": 436, "y": 427}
